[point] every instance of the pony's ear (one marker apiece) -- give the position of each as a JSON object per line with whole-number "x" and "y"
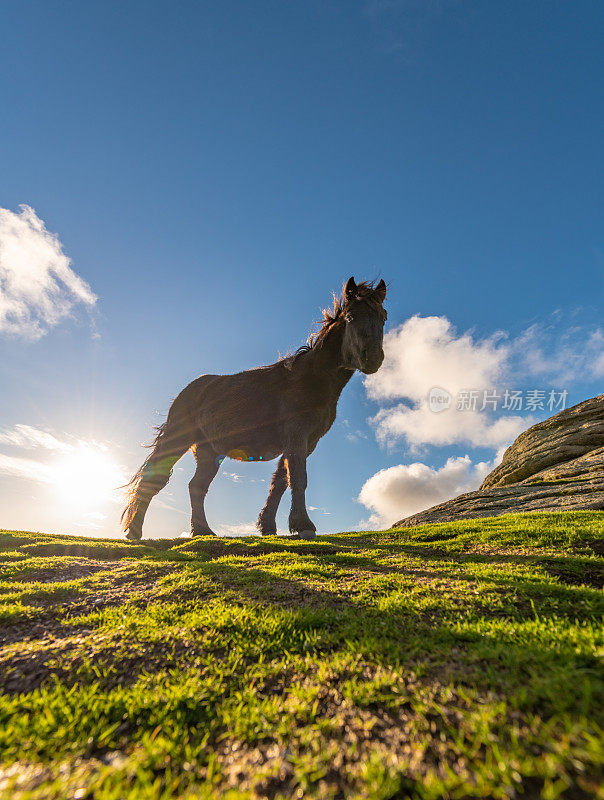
{"x": 350, "y": 289}
{"x": 380, "y": 291}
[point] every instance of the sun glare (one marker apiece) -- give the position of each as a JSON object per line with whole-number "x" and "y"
{"x": 87, "y": 478}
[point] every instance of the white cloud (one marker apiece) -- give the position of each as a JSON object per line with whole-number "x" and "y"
{"x": 62, "y": 462}
{"x": 562, "y": 358}
{"x": 399, "y": 491}
{"x": 38, "y": 287}
{"x": 420, "y": 426}
{"x": 234, "y": 531}
{"x": 237, "y": 529}
{"x": 596, "y": 343}
{"x": 27, "y": 468}
{"x": 355, "y": 436}
{"x": 233, "y": 476}
{"x": 94, "y": 520}
{"x": 425, "y": 352}
{"x": 168, "y": 505}
{"x": 29, "y": 438}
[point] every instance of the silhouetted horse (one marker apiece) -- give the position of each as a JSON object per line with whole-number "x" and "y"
{"x": 279, "y": 410}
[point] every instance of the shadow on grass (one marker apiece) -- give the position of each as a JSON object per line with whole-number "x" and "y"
{"x": 533, "y": 596}
{"x": 552, "y": 676}
{"x": 435, "y": 641}
{"x": 581, "y": 572}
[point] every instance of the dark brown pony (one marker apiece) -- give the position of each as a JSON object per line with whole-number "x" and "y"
{"x": 279, "y": 410}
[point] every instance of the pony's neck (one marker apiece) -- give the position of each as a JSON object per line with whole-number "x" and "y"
{"x": 327, "y": 362}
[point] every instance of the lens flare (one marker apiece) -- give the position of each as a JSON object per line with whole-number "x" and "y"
{"x": 87, "y": 478}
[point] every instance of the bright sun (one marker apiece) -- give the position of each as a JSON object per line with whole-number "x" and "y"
{"x": 87, "y": 478}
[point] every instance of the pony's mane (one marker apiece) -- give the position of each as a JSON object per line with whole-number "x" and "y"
{"x": 333, "y": 317}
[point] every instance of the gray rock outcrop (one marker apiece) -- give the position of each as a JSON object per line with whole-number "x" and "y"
{"x": 557, "y": 465}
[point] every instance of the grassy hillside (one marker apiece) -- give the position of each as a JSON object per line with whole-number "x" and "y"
{"x": 456, "y": 660}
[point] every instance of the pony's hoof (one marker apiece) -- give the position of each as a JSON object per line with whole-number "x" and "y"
{"x": 307, "y": 535}
{"x": 132, "y": 536}
{"x": 195, "y": 534}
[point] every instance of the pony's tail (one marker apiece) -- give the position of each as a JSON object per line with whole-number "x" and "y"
{"x": 174, "y": 437}
{"x": 131, "y": 488}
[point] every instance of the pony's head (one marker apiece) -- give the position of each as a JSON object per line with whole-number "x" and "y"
{"x": 361, "y": 308}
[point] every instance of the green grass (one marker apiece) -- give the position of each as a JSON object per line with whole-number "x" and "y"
{"x": 458, "y": 660}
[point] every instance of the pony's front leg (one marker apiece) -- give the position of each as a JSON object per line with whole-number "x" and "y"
{"x": 299, "y": 521}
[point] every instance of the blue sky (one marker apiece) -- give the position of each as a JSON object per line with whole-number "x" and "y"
{"x": 214, "y": 170}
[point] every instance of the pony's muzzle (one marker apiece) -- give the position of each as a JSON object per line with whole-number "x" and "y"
{"x": 371, "y": 364}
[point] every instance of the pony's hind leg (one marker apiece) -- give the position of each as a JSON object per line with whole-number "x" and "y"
{"x": 267, "y": 524}
{"x": 151, "y": 483}
{"x": 172, "y": 442}
{"x": 207, "y": 467}
{"x": 151, "y": 478}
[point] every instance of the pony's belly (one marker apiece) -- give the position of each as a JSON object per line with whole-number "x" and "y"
{"x": 250, "y": 454}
